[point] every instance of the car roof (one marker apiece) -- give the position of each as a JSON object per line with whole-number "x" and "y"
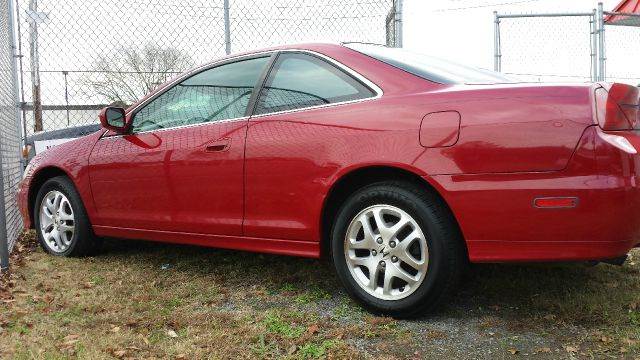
{"x": 312, "y": 46}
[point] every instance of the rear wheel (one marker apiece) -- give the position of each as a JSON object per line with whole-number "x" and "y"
{"x": 396, "y": 249}
{"x": 61, "y": 221}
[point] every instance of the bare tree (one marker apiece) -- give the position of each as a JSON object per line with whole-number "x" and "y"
{"x": 129, "y": 73}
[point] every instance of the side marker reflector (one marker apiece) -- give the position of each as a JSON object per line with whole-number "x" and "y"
{"x": 555, "y": 202}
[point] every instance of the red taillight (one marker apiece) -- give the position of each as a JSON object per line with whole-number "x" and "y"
{"x": 617, "y": 108}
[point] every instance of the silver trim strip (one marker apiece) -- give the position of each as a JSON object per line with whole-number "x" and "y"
{"x": 376, "y": 89}
{"x": 244, "y": 118}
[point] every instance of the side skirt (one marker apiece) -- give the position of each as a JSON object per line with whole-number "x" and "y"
{"x": 307, "y": 249}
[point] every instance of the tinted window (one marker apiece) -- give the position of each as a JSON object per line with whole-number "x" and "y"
{"x": 300, "y": 80}
{"x": 430, "y": 68}
{"x": 219, "y": 93}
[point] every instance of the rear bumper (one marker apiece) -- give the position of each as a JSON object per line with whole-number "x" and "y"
{"x": 500, "y": 223}
{"x": 547, "y": 251}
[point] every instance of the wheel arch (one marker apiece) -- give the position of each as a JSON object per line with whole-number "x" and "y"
{"x": 38, "y": 179}
{"x": 355, "y": 179}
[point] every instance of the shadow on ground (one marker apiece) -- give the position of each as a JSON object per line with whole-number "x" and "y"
{"x": 485, "y": 286}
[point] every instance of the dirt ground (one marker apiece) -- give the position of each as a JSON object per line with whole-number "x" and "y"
{"x": 149, "y": 300}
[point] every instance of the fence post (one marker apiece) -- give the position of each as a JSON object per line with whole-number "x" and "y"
{"x": 15, "y": 76}
{"x": 397, "y": 23}
{"x": 20, "y": 72}
{"x": 602, "y": 75}
{"x": 497, "y": 55}
{"x": 227, "y": 28}
{"x": 594, "y": 46}
{"x": 35, "y": 65}
{"x": 11, "y": 49}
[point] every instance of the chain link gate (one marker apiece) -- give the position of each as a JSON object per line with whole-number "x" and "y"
{"x": 589, "y": 46}
{"x": 10, "y": 153}
{"x": 559, "y": 47}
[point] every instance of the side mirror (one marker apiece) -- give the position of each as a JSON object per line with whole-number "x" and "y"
{"x": 114, "y": 119}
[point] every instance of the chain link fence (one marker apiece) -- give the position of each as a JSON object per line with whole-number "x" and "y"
{"x": 10, "y": 159}
{"x": 622, "y": 43}
{"x": 80, "y": 55}
{"x": 579, "y": 47}
{"x": 546, "y": 47}
{"x": 76, "y": 56}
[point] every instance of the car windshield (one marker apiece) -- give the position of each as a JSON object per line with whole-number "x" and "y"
{"x": 430, "y": 68}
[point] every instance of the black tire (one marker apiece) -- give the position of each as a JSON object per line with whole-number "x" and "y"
{"x": 83, "y": 242}
{"x": 447, "y": 257}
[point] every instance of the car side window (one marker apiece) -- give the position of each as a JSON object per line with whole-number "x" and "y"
{"x": 300, "y": 80}
{"x": 216, "y": 94}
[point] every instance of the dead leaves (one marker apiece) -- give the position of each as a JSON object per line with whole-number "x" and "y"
{"x": 128, "y": 352}
{"x": 118, "y": 354}
{"x": 292, "y": 349}
{"x": 513, "y": 351}
{"x": 572, "y": 349}
{"x": 436, "y": 334}
{"x": 133, "y": 323}
{"x": 380, "y": 320}
{"x": 542, "y": 350}
{"x": 69, "y": 341}
{"x": 606, "y": 339}
{"x": 313, "y": 329}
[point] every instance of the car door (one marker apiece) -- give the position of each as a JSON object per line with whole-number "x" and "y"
{"x": 294, "y": 138}
{"x": 180, "y": 168}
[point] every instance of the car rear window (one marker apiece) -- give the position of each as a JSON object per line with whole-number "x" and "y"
{"x": 430, "y": 68}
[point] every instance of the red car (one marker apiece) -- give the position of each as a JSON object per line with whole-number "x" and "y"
{"x": 400, "y": 168}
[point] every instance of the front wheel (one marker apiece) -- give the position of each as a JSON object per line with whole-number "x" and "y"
{"x": 61, "y": 221}
{"x": 397, "y": 249}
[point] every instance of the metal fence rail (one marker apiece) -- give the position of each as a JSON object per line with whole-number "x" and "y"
{"x": 10, "y": 164}
{"x": 588, "y": 46}
{"x": 79, "y": 52}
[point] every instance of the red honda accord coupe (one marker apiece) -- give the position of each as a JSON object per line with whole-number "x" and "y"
{"x": 400, "y": 168}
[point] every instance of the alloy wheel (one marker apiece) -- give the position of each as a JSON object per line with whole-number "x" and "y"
{"x": 386, "y": 252}
{"x": 57, "y": 223}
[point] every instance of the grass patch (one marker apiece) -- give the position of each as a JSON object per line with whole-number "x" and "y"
{"x": 276, "y": 325}
{"x": 315, "y": 350}
{"x": 207, "y": 303}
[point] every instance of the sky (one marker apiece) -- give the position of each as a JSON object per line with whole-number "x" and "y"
{"x": 462, "y": 31}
